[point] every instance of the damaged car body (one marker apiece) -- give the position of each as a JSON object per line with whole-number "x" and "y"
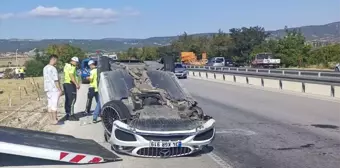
{"x": 146, "y": 111}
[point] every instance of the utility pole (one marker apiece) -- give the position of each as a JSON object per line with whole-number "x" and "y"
{"x": 16, "y": 57}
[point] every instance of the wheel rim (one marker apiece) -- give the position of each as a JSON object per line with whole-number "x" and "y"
{"x": 109, "y": 115}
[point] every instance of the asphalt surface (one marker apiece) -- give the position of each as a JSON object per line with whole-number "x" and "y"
{"x": 258, "y": 128}
{"x": 255, "y": 129}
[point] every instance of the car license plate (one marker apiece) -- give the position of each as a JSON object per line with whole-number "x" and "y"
{"x": 165, "y": 144}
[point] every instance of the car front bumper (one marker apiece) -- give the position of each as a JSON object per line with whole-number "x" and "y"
{"x": 137, "y": 142}
{"x": 181, "y": 74}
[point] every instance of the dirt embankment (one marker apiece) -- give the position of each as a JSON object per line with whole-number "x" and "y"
{"x": 23, "y": 105}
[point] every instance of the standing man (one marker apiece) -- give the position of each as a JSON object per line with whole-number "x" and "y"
{"x": 22, "y": 71}
{"x": 52, "y": 88}
{"x": 93, "y": 89}
{"x": 70, "y": 86}
{"x": 17, "y": 73}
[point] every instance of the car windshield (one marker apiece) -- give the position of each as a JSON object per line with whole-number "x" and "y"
{"x": 219, "y": 60}
{"x": 178, "y": 66}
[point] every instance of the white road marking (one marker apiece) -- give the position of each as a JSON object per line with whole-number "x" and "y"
{"x": 219, "y": 161}
{"x": 236, "y": 131}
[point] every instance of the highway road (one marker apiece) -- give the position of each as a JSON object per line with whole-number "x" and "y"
{"x": 255, "y": 129}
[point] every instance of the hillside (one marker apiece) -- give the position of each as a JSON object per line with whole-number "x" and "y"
{"x": 328, "y": 32}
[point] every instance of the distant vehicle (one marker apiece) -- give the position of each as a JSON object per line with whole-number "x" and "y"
{"x": 229, "y": 62}
{"x": 85, "y": 69}
{"x": 337, "y": 67}
{"x": 265, "y": 60}
{"x": 112, "y": 56}
{"x": 180, "y": 71}
{"x": 216, "y": 61}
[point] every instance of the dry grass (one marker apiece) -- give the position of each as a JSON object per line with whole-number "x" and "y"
{"x": 5, "y": 61}
{"x": 23, "y": 105}
{"x": 17, "y": 92}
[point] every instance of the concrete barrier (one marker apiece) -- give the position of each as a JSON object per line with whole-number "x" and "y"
{"x": 283, "y": 84}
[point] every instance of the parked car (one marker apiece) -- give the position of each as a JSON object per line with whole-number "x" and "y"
{"x": 180, "y": 71}
{"x": 85, "y": 69}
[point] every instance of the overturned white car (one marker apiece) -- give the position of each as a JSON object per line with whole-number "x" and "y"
{"x": 147, "y": 113}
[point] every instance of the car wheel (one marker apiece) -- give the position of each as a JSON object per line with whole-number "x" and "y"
{"x": 114, "y": 110}
{"x": 337, "y": 69}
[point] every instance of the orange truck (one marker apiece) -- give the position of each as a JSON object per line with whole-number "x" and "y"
{"x": 191, "y": 58}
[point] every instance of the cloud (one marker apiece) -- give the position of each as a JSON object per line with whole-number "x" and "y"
{"x": 79, "y": 15}
{"x": 131, "y": 11}
{"x": 6, "y": 16}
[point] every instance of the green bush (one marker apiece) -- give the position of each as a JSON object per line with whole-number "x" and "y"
{"x": 34, "y": 68}
{"x": 9, "y": 73}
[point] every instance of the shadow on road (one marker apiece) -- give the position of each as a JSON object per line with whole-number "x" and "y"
{"x": 13, "y": 160}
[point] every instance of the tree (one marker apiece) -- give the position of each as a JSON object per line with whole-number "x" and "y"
{"x": 64, "y": 52}
{"x": 269, "y": 46}
{"x": 292, "y": 48}
{"x": 34, "y": 68}
{"x": 149, "y": 53}
{"x": 327, "y": 56}
{"x": 245, "y": 39}
{"x": 221, "y": 45}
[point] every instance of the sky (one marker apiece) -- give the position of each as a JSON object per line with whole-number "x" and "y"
{"x": 95, "y": 19}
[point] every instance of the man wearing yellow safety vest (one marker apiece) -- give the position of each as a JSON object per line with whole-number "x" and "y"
{"x": 70, "y": 86}
{"x": 21, "y": 72}
{"x": 93, "y": 89}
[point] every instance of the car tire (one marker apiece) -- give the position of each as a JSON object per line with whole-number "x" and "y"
{"x": 337, "y": 69}
{"x": 114, "y": 110}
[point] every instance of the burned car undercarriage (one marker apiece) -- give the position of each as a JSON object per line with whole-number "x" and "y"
{"x": 146, "y": 112}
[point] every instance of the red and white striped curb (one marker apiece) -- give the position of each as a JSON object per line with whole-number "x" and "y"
{"x": 79, "y": 158}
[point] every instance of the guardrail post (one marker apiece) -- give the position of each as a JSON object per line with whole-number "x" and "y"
{"x": 332, "y": 91}
{"x": 303, "y": 87}
{"x": 206, "y": 74}
{"x": 246, "y": 70}
{"x": 257, "y": 70}
{"x": 215, "y": 68}
{"x": 299, "y": 73}
{"x": 319, "y": 74}
{"x": 228, "y": 69}
{"x": 280, "y": 83}
{"x": 269, "y": 71}
{"x": 234, "y": 78}
{"x": 236, "y": 69}
{"x": 209, "y": 68}
{"x": 283, "y": 72}
{"x": 262, "y": 82}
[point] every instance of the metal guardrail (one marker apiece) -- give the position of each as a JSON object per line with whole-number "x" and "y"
{"x": 277, "y": 72}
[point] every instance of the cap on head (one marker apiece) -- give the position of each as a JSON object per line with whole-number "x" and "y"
{"x": 90, "y": 62}
{"x": 75, "y": 59}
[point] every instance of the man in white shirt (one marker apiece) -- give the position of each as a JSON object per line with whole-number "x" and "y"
{"x": 52, "y": 88}
{"x": 16, "y": 73}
